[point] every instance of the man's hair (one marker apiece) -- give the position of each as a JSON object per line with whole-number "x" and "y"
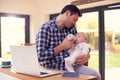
{"x": 72, "y": 8}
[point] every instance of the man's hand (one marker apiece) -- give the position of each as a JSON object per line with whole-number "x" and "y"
{"x": 67, "y": 43}
{"x": 82, "y": 59}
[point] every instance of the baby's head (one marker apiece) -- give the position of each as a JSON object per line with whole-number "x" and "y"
{"x": 81, "y": 37}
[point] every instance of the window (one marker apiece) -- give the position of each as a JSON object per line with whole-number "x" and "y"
{"x": 14, "y": 30}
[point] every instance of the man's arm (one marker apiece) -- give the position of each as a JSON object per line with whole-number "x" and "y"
{"x": 80, "y": 60}
{"x": 66, "y": 44}
{"x": 84, "y": 57}
{"x": 42, "y": 41}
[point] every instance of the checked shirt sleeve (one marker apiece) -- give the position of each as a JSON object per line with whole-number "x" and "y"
{"x": 45, "y": 53}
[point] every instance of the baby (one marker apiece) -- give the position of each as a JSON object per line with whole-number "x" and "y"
{"x": 80, "y": 48}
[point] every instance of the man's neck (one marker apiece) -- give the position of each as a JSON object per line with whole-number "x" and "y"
{"x": 59, "y": 21}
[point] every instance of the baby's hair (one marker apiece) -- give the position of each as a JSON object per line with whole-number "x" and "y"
{"x": 86, "y": 37}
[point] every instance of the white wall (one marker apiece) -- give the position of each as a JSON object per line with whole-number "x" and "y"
{"x": 22, "y": 7}
{"x": 100, "y": 3}
{"x": 39, "y": 10}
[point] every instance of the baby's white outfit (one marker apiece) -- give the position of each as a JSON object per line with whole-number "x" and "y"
{"x": 77, "y": 51}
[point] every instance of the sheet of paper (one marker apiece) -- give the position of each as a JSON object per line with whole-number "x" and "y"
{"x": 4, "y": 76}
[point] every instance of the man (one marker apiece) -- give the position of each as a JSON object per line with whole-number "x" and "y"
{"x": 52, "y": 44}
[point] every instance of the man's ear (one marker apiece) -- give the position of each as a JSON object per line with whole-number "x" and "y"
{"x": 67, "y": 13}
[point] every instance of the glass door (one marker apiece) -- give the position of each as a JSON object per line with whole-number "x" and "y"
{"x": 88, "y": 23}
{"x": 102, "y": 26}
{"x": 112, "y": 44}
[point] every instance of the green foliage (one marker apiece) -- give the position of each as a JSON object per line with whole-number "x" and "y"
{"x": 111, "y": 60}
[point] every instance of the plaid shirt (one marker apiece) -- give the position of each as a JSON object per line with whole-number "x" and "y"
{"x": 48, "y": 37}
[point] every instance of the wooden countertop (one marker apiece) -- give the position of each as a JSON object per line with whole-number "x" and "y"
{"x": 55, "y": 77}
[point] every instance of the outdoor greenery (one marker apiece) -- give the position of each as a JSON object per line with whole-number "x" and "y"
{"x": 111, "y": 60}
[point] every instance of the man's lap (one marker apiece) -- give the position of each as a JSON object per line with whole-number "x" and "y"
{"x": 86, "y": 70}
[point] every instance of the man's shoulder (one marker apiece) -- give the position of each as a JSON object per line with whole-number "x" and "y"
{"x": 45, "y": 27}
{"x": 48, "y": 25}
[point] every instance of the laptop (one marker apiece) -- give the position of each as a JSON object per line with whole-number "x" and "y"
{"x": 25, "y": 60}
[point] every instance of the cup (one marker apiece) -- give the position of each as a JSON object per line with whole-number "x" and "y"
{"x": 5, "y": 63}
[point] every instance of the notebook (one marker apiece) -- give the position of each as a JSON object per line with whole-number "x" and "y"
{"x": 25, "y": 60}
